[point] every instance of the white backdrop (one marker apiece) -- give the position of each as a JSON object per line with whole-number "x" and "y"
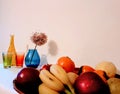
{"x": 88, "y": 31}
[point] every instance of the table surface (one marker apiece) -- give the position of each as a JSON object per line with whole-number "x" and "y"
{"x": 6, "y": 79}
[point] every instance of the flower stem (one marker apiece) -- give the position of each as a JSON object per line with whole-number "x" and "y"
{"x": 33, "y": 54}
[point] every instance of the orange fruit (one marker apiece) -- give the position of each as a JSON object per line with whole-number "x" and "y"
{"x": 85, "y": 68}
{"x": 66, "y": 63}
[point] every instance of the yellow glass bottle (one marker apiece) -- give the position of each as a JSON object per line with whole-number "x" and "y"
{"x": 12, "y": 50}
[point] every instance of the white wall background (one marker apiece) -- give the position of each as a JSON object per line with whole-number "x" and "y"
{"x": 88, "y": 31}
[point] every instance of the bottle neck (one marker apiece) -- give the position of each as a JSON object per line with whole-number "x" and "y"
{"x": 12, "y": 40}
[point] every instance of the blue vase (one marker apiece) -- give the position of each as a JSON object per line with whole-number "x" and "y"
{"x": 32, "y": 58}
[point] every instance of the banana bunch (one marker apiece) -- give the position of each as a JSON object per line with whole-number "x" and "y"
{"x": 55, "y": 81}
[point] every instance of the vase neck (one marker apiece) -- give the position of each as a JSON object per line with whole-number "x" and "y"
{"x": 32, "y": 49}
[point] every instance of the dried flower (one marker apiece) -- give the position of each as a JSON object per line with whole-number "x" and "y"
{"x": 39, "y": 38}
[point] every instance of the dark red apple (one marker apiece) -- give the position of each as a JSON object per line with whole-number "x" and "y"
{"x": 90, "y": 83}
{"x": 117, "y": 76}
{"x": 28, "y": 80}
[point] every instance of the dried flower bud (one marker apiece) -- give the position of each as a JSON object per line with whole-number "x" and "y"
{"x": 39, "y": 38}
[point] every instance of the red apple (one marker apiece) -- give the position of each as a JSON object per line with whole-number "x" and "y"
{"x": 28, "y": 80}
{"x": 90, "y": 83}
{"x": 46, "y": 67}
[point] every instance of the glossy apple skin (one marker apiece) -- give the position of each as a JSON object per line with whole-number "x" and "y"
{"x": 28, "y": 80}
{"x": 46, "y": 67}
{"x": 90, "y": 83}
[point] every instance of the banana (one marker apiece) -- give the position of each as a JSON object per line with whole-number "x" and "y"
{"x": 43, "y": 89}
{"x": 51, "y": 81}
{"x": 61, "y": 74}
{"x": 72, "y": 77}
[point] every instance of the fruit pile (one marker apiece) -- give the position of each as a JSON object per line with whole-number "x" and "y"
{"x": 64, "y": 78}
